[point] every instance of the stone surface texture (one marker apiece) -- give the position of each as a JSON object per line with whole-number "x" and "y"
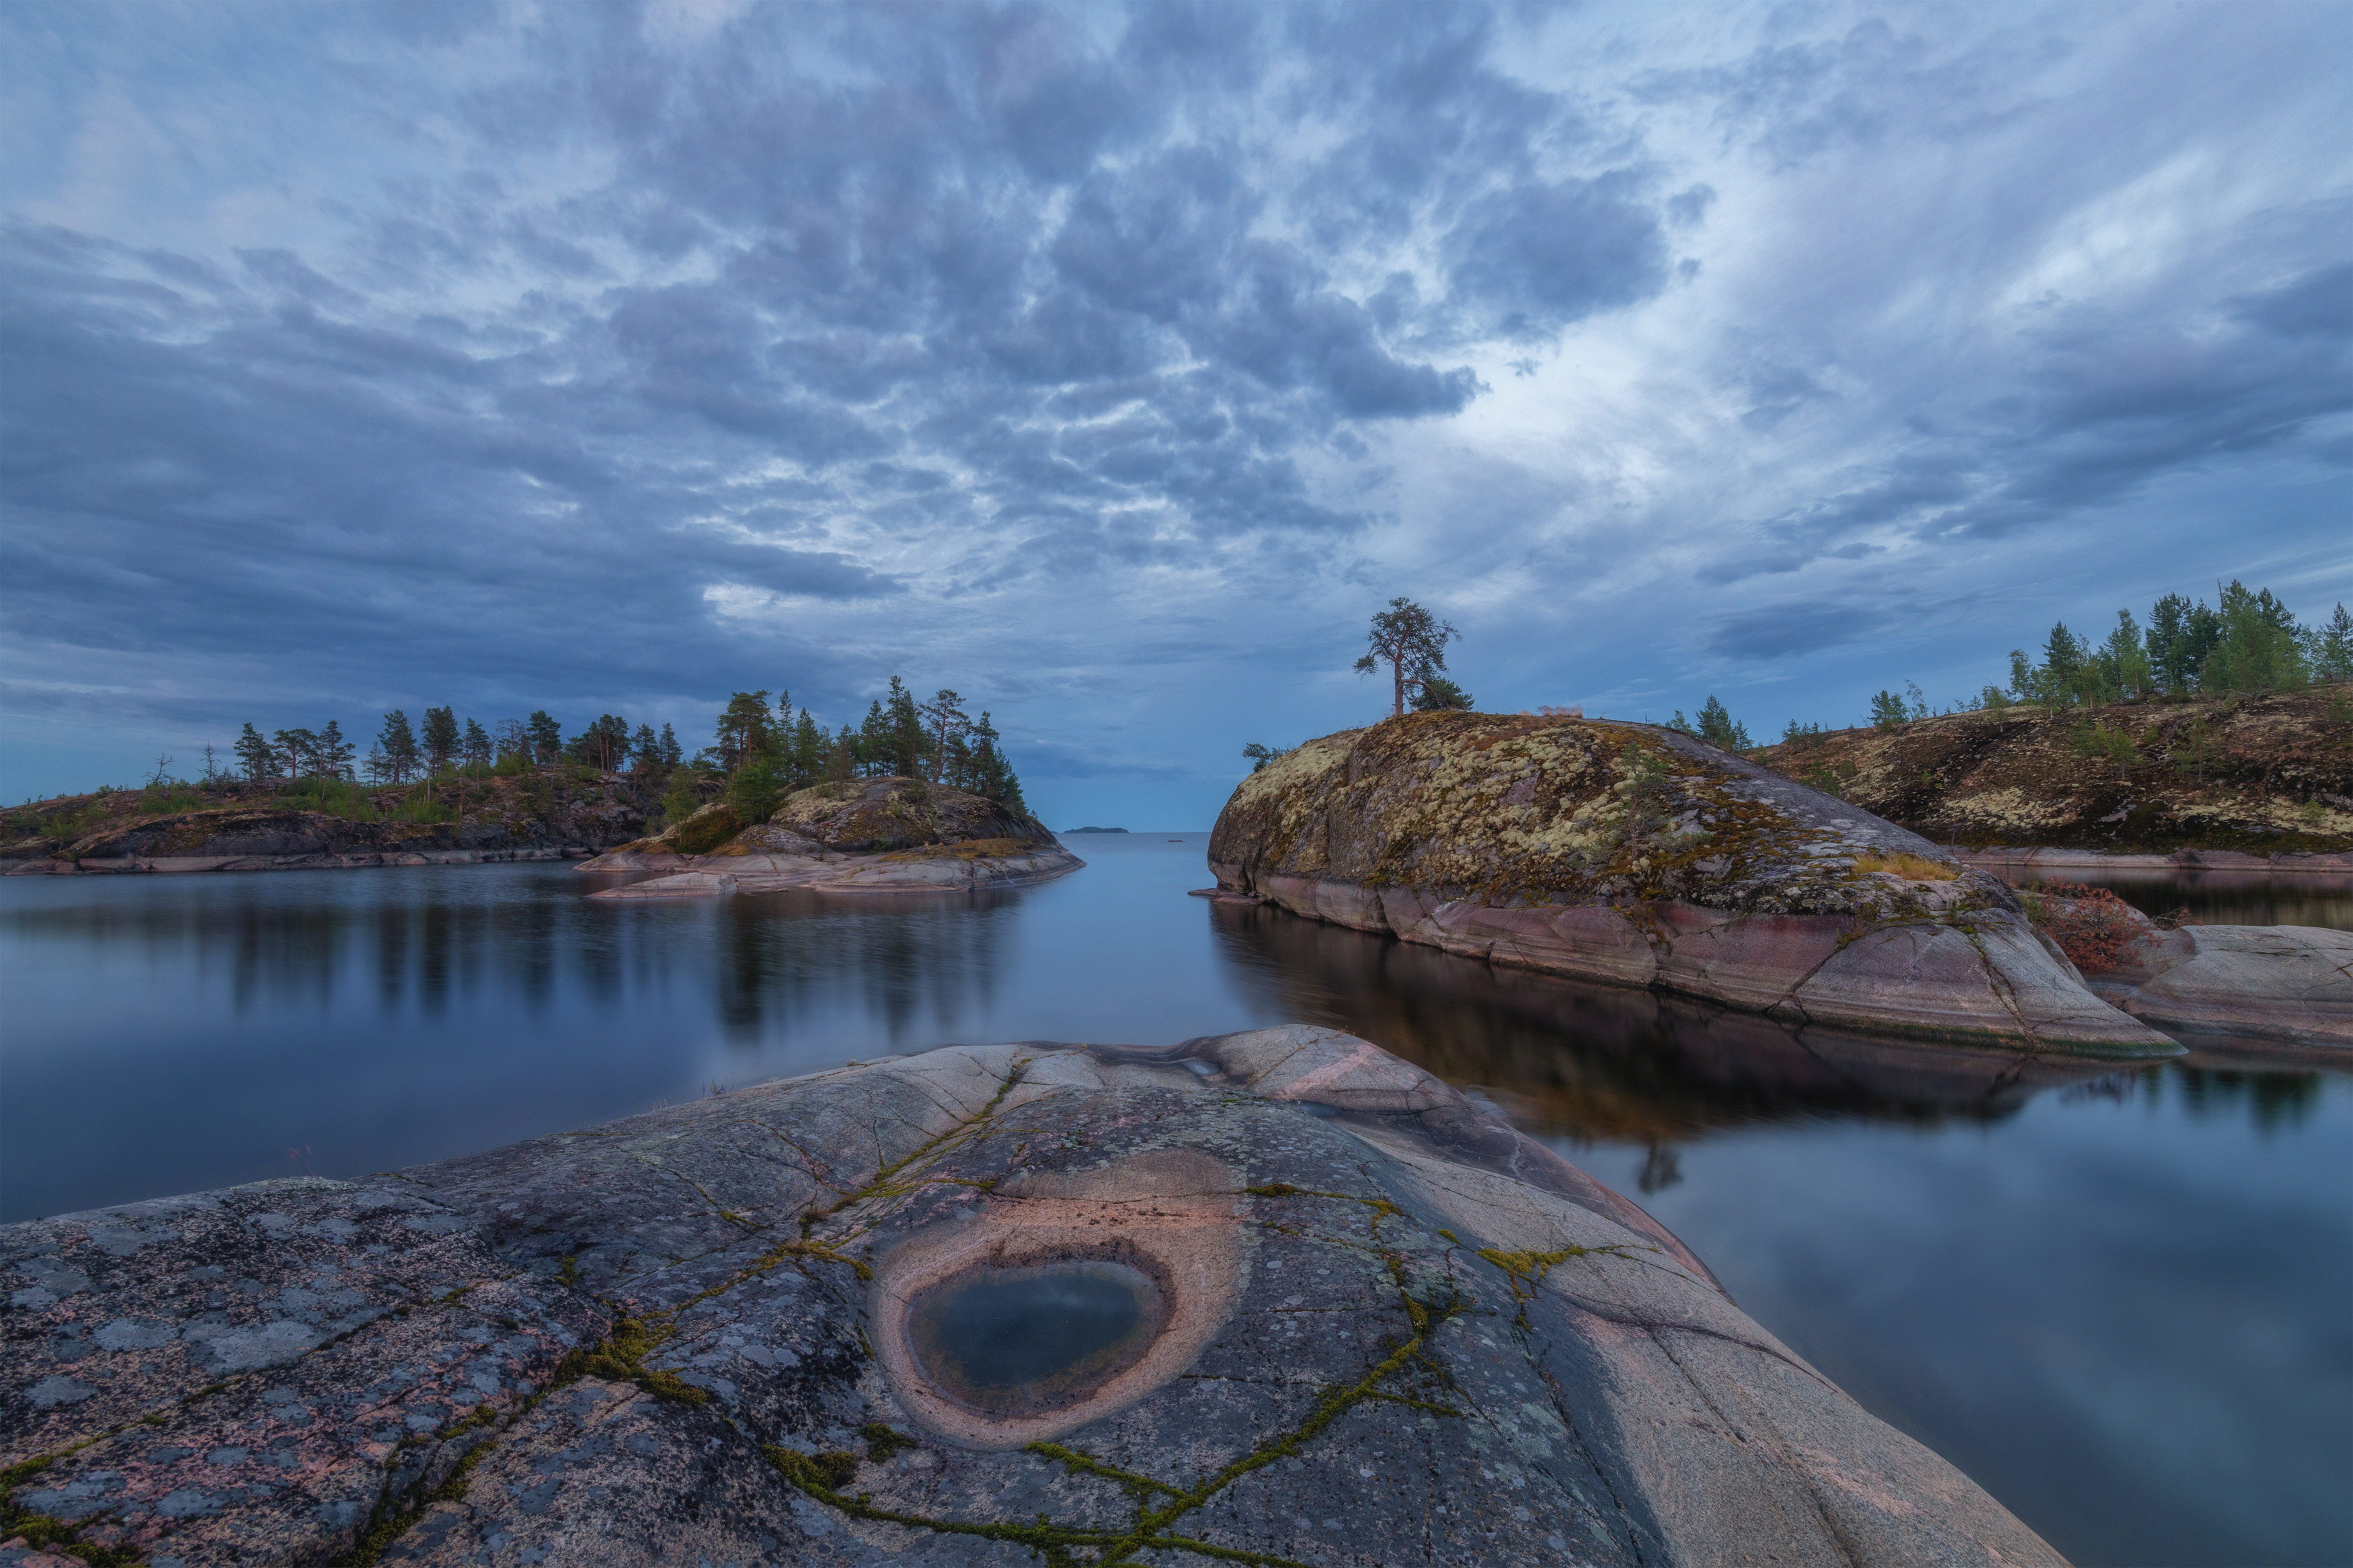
{"x": 868, "y": 836}
{"x": 2215, "y": 985}
{"x": 1412, "y": 1335}
{"x": 1635, "y": 855}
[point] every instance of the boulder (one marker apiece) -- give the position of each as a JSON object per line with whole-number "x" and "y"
{"x": 2289, "y": 984}
{"x": 1629, "y": 855}
{"x": 1271, "y": 1297}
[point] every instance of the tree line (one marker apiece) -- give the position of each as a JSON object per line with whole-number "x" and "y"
{"x": 442, "y": 745}
{"x": 2247, "y": 641}
{"x": 760, "y": 755}
{"x": 765, "y": 757}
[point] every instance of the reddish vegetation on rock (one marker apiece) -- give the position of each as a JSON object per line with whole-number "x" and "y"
{"x": 2092, "y": 925}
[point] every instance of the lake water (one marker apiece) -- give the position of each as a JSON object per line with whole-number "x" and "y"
{"x": 2123, "y": 1302}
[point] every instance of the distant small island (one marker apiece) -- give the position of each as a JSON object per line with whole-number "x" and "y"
{"x": 1094, "y": 830}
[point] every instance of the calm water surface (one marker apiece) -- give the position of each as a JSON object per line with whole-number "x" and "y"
{"x": 2123, "y": 1302}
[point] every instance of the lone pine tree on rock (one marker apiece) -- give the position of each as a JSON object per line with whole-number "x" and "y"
{"x": 1413, "y": 643}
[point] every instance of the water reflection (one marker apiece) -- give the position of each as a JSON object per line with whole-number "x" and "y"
{"x": 2216, "y": 896}
{"x": 1607, "y": 1063}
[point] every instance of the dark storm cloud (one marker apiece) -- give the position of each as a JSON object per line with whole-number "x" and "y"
{"x": 1540, "y": 256}
{"x": 615, "y": 350}
{"x": 1792, "y": 627}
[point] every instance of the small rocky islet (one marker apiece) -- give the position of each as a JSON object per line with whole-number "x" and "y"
{"x": 1335, "y": 1312}
{"x": 862, "y": 835}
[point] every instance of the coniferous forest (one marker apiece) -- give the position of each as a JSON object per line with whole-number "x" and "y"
{"x": 760, "y": 752}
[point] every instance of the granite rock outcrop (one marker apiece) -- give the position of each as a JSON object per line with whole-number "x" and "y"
{"x": 1365, "y": 1321}
{"x": 1636, "y": 855}
{"x": 868, "y": 836}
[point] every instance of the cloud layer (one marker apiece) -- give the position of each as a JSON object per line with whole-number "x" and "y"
{"x": 1112, "y": 365}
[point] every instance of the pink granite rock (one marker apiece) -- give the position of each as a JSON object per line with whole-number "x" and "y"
{"x": 1628, "y": 855}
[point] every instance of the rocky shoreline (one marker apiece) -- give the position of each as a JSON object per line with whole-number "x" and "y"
{"x": 345, "y": 859}
{"x": 501, "y": 818}
{"x": 1363, "y": 1311}
{"x": 1630, "y": 854}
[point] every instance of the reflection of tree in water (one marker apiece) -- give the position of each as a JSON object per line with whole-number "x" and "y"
{"x": 1608, "y": 1063}
{"x": 2273, "y": 1101}
{"x": 292, "y": 940}
{"x": 297, "y": 941}
{"x": 898, "y": 959}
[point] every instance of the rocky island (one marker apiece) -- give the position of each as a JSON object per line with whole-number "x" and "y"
{"x": 1632, "y": 854}
{"x": 1276, "y": 1298}
{"x": 865, "y": 835}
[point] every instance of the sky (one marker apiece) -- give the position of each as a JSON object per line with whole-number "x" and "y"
{"x": 1113, "y": 366}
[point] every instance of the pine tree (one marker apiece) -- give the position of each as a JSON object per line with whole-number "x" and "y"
{"x": 294, "y": 751}
{"x": 2258, "y": 650}
{"x": 645, "y": 750}
{"x": 807, "y": 752}
{"x": 2064, "y": 657}
{"x": 944, "y": 723}
{"x": 476, "y": 746}
{"x": 743, "y": 729}
{"x": 1412, "y": 641}
{"x": 1718, "y": 728}
{"x": 2168, "y": 642}
{"x": 874, "y": 742}
{"x": 257, "y": 756}
{"x": 907, "y": 742}
{"x": 2122, "y": 664}
{"x": 670, "y": 755}
{"x": 1439, "y": 695}
{"x": 2332, "y": 647}
{"x": 440, "y": 738}
{"x": 604, "y": 744}
{"x": 546, "y": 737}
{"x": 991, "y": 773}
{"x": 334, "y": 754}
{"x": 399, "y": 743}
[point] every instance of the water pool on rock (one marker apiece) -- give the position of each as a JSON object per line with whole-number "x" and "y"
{"x": 1033, "y": 1336}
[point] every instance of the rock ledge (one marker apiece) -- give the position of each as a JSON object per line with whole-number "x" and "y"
{"x": 1399, "y": 1330}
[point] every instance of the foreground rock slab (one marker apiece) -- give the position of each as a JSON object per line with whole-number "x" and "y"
{"x": 1630, "y": 854}
{"x": 1346, "y": 1316}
